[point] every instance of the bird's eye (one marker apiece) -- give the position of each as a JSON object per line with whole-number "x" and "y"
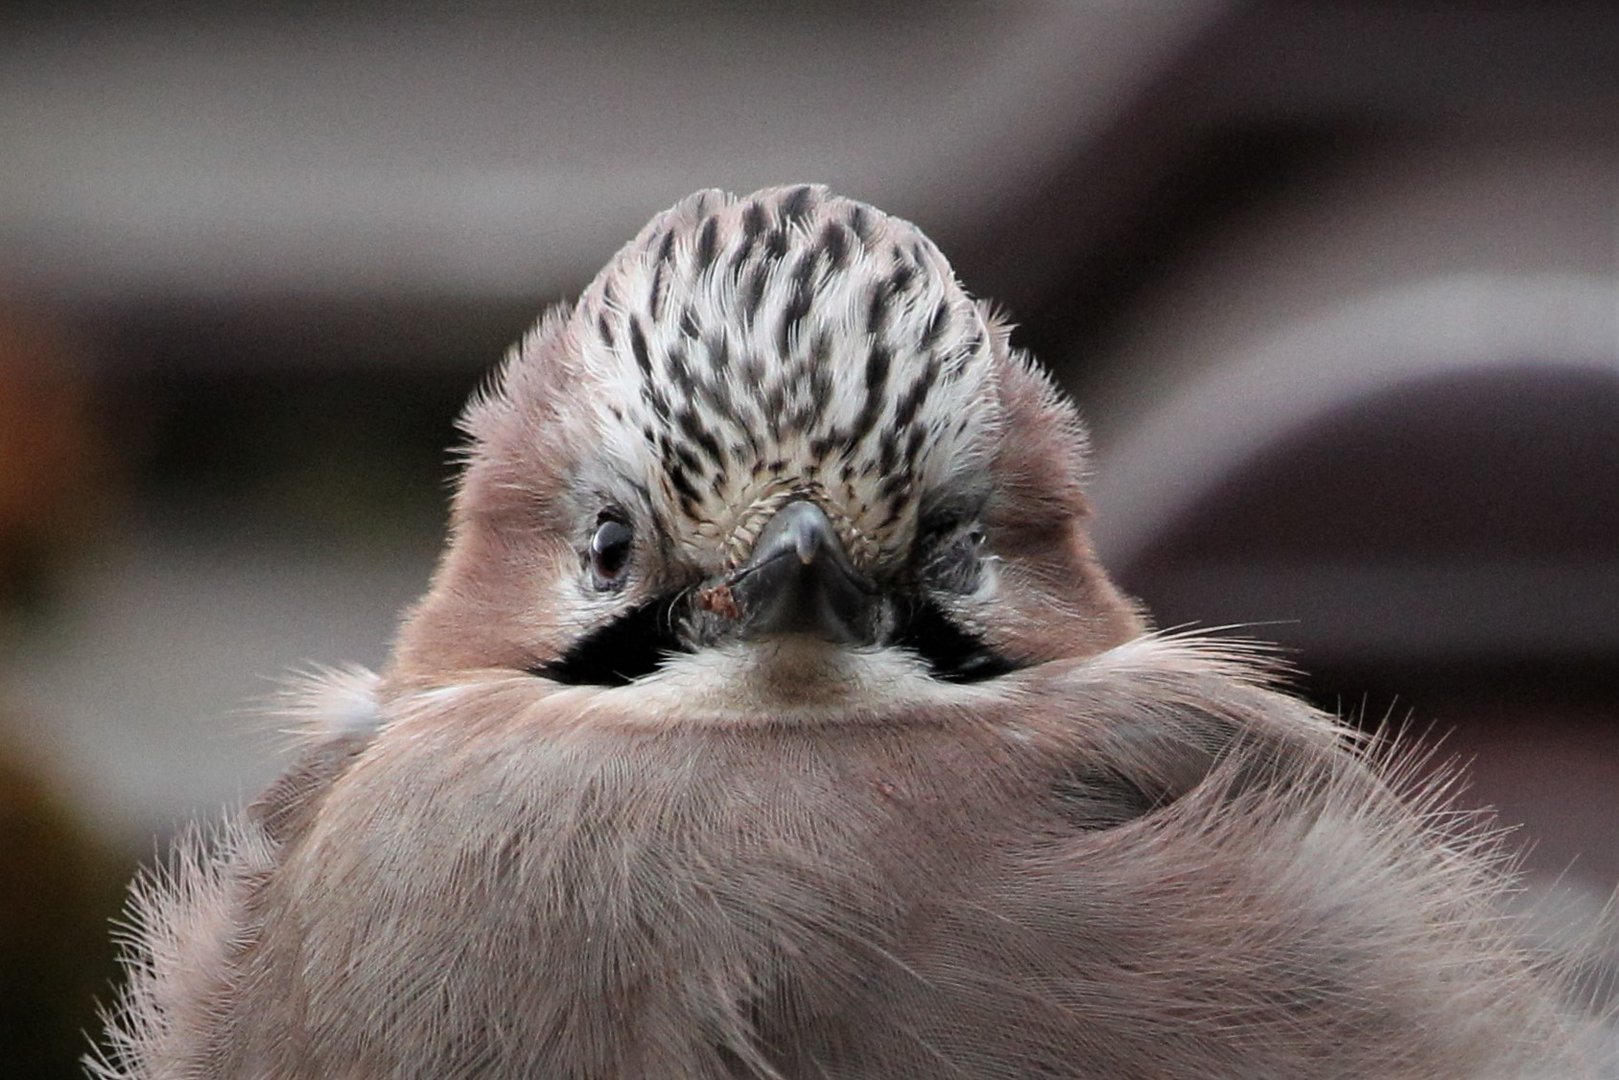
{"x": 610, "y": 552}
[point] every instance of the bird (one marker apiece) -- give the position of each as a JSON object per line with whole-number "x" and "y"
{"x": 769, "y": 714}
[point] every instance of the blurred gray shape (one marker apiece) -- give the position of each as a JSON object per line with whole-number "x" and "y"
{"x": 369, "y": 151}
{"x": 1461, "y": 260}
{"x": 148, "y": 690}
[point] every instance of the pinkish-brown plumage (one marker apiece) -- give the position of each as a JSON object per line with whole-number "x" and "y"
{"x": 953, "y": 810}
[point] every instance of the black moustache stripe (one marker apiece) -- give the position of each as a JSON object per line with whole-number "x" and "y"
{"x": 951, "y": 652}
{"x": 632, "y": 645}
{"x": 638, "y": 642}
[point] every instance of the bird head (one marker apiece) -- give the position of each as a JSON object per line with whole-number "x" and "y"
{"x": 774, "y": 435}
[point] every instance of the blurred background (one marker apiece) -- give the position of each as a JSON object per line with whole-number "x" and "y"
{"x": 1336, "y": 285}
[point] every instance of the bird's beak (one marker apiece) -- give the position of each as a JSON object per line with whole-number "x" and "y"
{"x": 799, "y": 580}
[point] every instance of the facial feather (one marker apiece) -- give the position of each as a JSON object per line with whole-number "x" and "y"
{"x": 739, "y": 355}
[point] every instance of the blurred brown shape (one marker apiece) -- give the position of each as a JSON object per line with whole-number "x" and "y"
{"x": 50, "y": 456}
{"x": 58, "y": 888}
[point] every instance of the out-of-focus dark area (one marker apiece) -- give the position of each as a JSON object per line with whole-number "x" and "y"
{"x": 1336, "y": 285}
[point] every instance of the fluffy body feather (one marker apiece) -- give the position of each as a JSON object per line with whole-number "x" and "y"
{"x": 1117, "y": 854}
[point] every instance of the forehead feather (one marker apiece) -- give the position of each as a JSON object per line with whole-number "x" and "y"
{"x": 747, "y": 350}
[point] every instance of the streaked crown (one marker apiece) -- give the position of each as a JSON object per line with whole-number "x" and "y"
{"x": 785, "y": 344}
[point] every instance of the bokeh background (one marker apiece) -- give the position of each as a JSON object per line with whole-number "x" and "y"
{"x": 1336, "y": 285}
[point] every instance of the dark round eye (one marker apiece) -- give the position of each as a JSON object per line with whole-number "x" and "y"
{"x": 610, "y": 552}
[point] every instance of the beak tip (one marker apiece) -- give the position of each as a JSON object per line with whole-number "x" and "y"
{"x": 808, "y": 547}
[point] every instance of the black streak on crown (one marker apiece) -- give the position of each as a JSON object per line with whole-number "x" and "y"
{"x": 799, "y": 301}
{"x": 797, "y": 205}
{"x": 708, "y": 244}
{"x": 638, "y": 346}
